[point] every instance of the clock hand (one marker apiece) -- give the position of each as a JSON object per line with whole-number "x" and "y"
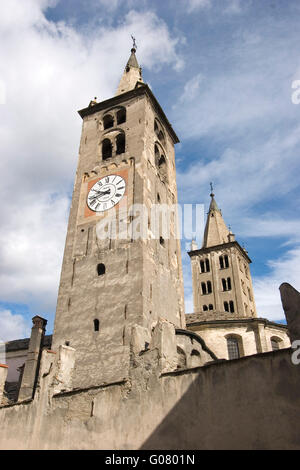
{"x": 95, "y": 196}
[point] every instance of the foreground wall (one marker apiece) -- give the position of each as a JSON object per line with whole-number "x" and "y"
{"x": 252, "y": 402}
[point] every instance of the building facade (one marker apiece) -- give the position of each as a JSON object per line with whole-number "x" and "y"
{"x": 123, "y": 369}
{"x": 225, "y": 314}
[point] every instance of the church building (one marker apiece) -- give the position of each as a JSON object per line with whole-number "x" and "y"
{"x": 126, "y": 368}
{"x": 225, "y": 314}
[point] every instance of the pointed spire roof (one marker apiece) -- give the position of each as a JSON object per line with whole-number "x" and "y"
{"x": 216, "y": 231}
{"x": 131, "y": 75}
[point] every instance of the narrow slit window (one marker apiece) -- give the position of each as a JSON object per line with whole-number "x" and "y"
{"x": 96, "y": 324}
{"x": 101, "y": 269}
{"x": 120, "y": 144}
{"x": 121, "y": 116}
{"x": 207, "y": 265}
{"x": 106, "y": 149}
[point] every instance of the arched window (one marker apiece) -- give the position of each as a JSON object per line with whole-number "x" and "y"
{"x": 156, "y": 152}
{"x": 159, "y": 132}
{"x": 210, "y": 307}
{"x": 106, "y": 149}
{"x": 226, "y": 284}
{"x": 108, "y": 121}
{"x": 275, "y": 344}
{"x": 96, "y": 324}
{"x": 233, "y": 348}
{"x": 207, "y": 265}
{"x": 121, "y": 116}
{"x": 209, "y": 288}
{"x": 120, "y": 139}
{"x": 226, "y": 307}
{"x": 204, "y": 266}
{"x": 160, "y": 162}
{"x": 224, "y": 261}
{"x": 203, "y": 286}
{"x": 162, "y": 166}
{"x": 101, "y": 269}
{"x": 161, "y": 137}
{"x": 231, "y": 306}
{"x": 205, "y": 308}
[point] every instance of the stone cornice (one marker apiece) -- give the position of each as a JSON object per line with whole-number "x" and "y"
{"x": 118, "y": 99}
{"x": 195, "y": 319}
{"x": 219, "y": 247}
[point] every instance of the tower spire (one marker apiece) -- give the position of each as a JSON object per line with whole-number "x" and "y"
{"x": 216, "y": 232}
{"x": 132, "y": 74}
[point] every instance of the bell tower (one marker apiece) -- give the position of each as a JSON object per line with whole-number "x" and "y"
{"x": 109, "y": 284}
{"x": 222, "y": 285}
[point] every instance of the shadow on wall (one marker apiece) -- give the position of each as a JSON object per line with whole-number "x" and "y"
{"x": 248, "y": 403}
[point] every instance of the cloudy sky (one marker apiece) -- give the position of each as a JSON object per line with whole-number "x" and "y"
{"x": 222, "y": 70}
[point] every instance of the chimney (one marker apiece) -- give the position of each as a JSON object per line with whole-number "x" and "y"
{"x": 32, "y": 363}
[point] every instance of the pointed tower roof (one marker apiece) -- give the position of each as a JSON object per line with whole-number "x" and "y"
{"x": 131, "y": 75}
{"x": 216, "y": 231}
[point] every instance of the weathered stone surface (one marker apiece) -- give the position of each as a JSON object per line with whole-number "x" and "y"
{"x": 3, "y": 375}
{"x": 31, "y": 369}
{"x": 290, "y": 299}
{"x": 251, "y": 403}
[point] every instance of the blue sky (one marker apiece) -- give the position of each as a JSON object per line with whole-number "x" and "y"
{"x": 223, "y": 72}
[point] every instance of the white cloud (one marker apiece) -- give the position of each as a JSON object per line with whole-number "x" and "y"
{"x": 193, "y": 5}
{"x": 191, "y": 88}
{"x": 225, "y": 6}
{"x": 12, "y": 326}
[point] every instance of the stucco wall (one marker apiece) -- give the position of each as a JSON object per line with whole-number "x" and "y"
{"x": 251, "y": 402}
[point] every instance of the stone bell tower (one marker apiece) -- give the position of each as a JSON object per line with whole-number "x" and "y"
{"x": 109, "y": 284}
{"x": 222, "y": 285}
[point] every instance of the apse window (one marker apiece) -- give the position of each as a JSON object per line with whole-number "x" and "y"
{"x": 233, "y": 348}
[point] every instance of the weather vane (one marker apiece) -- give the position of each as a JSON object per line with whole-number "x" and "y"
{"x": 211, "y": 187}
{"x": 134, "y": 46}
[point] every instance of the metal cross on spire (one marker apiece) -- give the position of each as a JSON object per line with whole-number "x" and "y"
{"x": 134, "y": 46}
{"x": 211, "y": 187}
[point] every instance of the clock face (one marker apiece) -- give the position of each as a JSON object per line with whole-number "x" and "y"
{"x": 106, "y": 193}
